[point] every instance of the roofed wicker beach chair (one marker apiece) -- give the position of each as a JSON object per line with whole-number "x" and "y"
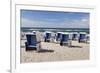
{"x": 75, "y": 36}
{"x": 32, "y": 43}
{"x": 47, "y": 36}
{"x": 34, "y": 32}
{"x": 58, "y": 37}
{"x": 82, "y": 37}
{"x": 65, "y": 39}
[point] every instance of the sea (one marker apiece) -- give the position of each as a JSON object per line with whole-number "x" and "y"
{"x": 30, "y": 29}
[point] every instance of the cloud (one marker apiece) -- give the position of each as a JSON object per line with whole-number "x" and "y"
{"x": 56, "y": 23}
{"x": 37, "y": 23}
{"x": 84, "y": 20}
{"x": 50, "y": 20}
{"x": 75, "y": 23}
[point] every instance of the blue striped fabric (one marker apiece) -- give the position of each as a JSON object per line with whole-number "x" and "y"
{"x": 31, "y": 40}
{"x": 65, "y": 38}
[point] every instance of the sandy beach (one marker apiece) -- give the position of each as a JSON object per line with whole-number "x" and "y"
{"x": 55, "y": 52}
{"x": 54, "y": 27}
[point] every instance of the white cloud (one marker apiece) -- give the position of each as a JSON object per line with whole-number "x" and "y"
{"x": 31, "y": 23}
{"x": 84, "y": 20}
{"x": 51, "y": 20}
{"x": 53, "y": 23}
{"x": 76, "y": 23}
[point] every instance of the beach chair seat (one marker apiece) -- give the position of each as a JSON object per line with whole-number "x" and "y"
{"x": 31, "y": 42}
{"x": 29, "y": 46}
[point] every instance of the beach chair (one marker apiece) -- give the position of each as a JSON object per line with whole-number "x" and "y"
{"x": 75, "y": 36}
{"x": 47, "y": 36}
{"x": 31, "y": 42}
{"x": 82, "y": 37}
{"x": 65, "y": 39}
{"x": 58, "y": 36}
{"x": 87, "y": 38}
{"x": 34, "y": 32}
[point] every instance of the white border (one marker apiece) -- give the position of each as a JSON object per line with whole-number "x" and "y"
{"x": 15, "y": 60}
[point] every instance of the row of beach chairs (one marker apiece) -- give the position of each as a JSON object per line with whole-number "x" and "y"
{"x": 34, "y": 39}
{"x": 62, "y": 36}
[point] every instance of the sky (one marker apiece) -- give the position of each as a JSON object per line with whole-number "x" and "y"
{"x": 54, "y": 19}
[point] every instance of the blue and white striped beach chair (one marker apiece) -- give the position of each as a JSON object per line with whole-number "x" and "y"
{"x": 65, "y": 39}
{"x": 31, "y": 41}
{"x": 58, "y": 36}
{"x": 47, "y": 36}
{"x": 82, "y": 37}
{"x": 75, "y": 36}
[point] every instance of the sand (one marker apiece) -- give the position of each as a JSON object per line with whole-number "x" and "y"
{"x": 55, "y": 52}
